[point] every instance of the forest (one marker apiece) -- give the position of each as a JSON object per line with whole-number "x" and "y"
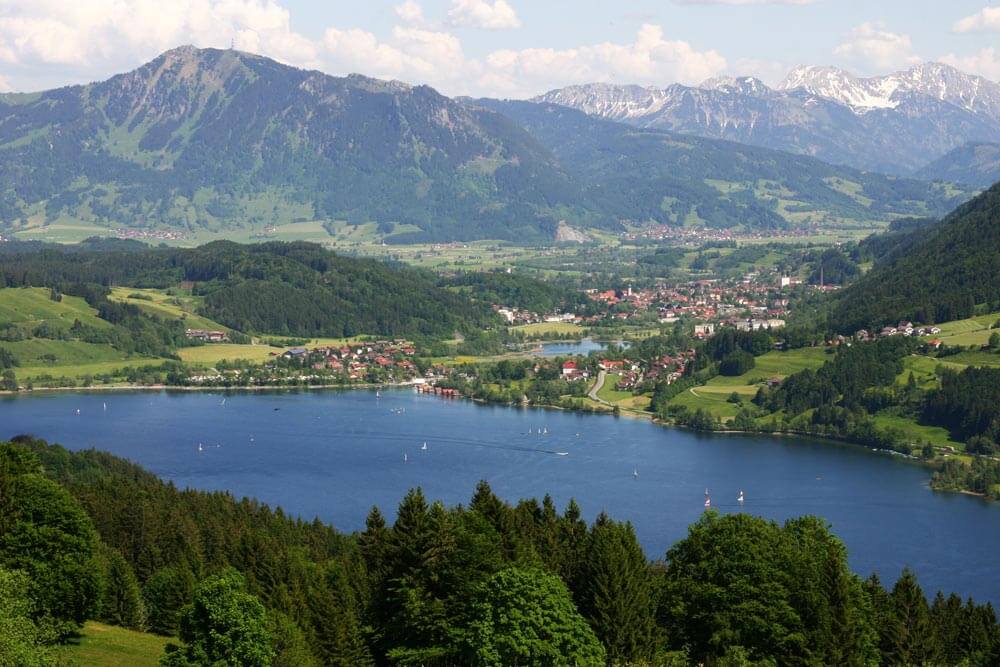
{"x": 234, "y": 582}
{"x": 519, "y": 291}
{"x": 928, "y": 273}
{"x": 275, "y": 288}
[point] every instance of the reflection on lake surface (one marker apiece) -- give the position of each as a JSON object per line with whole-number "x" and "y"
{"x": 334, "y": 454}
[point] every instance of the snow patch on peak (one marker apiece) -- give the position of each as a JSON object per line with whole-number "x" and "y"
{"x": 936, "y": 80}
{"x": 743, "y": 85}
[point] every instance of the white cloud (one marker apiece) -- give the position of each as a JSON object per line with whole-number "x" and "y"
{"x": 410, "y": 12}
{"x": 986, "y": 19}
{"x": 650, "y": 59}
{"x": 109, "y": 33}
{"x": 985, "y": 63}
{"x": 5, "y": 86}
{"x": 496, "y": 15}
{"x": 44, "y": 43}
{"x": 871, "y": 46}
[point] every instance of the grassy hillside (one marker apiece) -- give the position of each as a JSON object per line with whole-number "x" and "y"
{"x": 110, "y": 646}
{"x": 24, "y": 310}
{"x": 167, "y": 306}
{"x": 29, "y": 307}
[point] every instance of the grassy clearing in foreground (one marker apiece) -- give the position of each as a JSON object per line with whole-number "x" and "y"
{"x": 110, "y": 646}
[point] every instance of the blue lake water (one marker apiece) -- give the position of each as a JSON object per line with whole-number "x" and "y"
{"x": 334, "y": 454}
{"x": 584, "y": 347}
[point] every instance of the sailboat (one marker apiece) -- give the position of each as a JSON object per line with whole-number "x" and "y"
{"x": 708, "y": 500}
{"x": 423, "y": 447}
{"x": 545, "y": 431}
{"x": 405, "y": 457}
{"x": 200, "y": 448}
{"x": 78, "y": 411}
{"x": 105, "y": 407}
{"x": 378, "y": 394}
{"x": 739, "y": 498}
{"x": 635, "y": 473}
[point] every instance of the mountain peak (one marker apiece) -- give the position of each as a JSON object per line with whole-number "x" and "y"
{"x": 934, "y": 80}
{"x": 741, "y": 85}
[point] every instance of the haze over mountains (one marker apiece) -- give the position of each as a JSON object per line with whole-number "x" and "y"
{"x": 216, "y": 139}
{"x": 895, "y": 124}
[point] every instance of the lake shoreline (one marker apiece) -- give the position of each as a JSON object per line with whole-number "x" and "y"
{"x": 633, "y": 414}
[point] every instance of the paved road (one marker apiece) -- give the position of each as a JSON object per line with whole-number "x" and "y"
{"x": 592, "y": 394}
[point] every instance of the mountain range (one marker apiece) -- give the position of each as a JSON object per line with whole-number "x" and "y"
{"x": 218, "y": 139}
{"x": 895, "y": 124}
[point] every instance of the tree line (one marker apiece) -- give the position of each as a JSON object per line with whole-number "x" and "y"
{"x": 88, "y": 535}
{"x": 277, "y": 288}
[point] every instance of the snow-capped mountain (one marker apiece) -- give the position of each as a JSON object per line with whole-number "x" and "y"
{"x": 935, "y": 80}
{"x": 895, "y": 123}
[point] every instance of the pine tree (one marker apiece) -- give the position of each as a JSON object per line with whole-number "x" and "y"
{"x": 617, "y": 597}
{"x": 573, "y": 536}
{"x": 337, "y": 636}
{"x": 909, "y": 632}
{"x": 121, "y": 603}
{"x": 947, "y": 618}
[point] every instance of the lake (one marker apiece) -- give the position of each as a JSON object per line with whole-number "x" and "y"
{"x": 582, "y": 347}
{"x": 334, "y": 454}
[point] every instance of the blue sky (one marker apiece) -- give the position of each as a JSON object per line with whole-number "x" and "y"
{"x": 510, "y": 48}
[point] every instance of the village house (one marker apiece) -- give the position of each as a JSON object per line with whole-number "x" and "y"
{"x": 206, "y": 335}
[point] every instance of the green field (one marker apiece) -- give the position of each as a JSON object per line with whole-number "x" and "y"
{"x": 30, "y": 306}
{"x": 773, "y": 364}
{"x": 37, "y": 357}
{"x": 609, "y": 393}
{"x": 111, "y": 646}
{"x": 213, "y": 353}
{"x": 543, "y": 328}
{"x": 918, "y": 433}
{"x": 166, "y": 306}
{"x": 971, "y": 331}
{"x": 713, "y": 402}
{"x": 714, "y": 395}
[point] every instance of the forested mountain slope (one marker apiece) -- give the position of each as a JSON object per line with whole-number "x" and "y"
{"x": 976, "y": 164}
{"x": 206, "y": 138}
{"x": 277, "y": 288}
{"x": 643, "y": 174}
{"x": 940, "y": 276}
